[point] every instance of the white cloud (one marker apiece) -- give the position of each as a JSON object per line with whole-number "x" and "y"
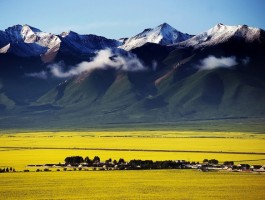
{"x": 212, "y": 62}
{"x": 42, "y": 75}
{"x": 103, "y": 60}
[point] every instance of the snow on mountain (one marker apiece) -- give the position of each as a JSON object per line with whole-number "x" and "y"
{"x": 85, "y": 44}
{"x": 222, "y": 33}
{"x": 25, "y": 41}
{"x": 4, "y": 49}
{"x": 28, "y": 34}
{"x": 19, "y": 33}
{"x": 28, "y": 41}
{"x": 163, "y": 34}
{"x": 122, "y": 41}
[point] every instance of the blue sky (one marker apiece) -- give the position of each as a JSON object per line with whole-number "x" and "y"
{"x": 124, "y": 18}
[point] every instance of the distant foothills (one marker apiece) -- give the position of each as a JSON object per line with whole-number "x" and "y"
{"x": 158, "y": 75}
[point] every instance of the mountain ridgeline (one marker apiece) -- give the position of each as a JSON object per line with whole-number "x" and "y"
{"x": 158, "y": 75}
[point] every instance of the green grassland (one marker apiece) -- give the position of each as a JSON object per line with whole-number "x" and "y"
{"x": 248, "y": 125}
{"x": 153, "y": 184}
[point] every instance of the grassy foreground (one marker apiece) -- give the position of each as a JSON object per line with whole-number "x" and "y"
{"x": 153, "y": 184}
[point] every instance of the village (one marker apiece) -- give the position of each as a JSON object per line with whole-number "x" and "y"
{"x": 74, "y": 163}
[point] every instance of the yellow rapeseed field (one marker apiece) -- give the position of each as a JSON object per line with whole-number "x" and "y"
{"x": 132, "y": 185}
{"x": 12, "y": 154}
{"x": 20, "y": 149}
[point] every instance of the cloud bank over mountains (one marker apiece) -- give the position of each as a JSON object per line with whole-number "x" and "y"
{"x": 212, "y": 62}
{"x": 103, "y": 60}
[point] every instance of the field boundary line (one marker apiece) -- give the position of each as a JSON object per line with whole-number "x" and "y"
{"x": 143, "y": 150}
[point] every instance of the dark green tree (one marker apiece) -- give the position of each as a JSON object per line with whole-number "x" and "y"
{"x": 121, "y": 161}
{"x": 213, "y": 161}
{"x": 96, "y": 159}
{"x": 74, "y": 160}
{"x": 87, "y": 160}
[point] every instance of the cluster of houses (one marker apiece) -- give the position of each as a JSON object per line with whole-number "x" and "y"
{"x": 78, "y": 163}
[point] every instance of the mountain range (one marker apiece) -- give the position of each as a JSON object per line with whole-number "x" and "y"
{"x": 158, "y": 75}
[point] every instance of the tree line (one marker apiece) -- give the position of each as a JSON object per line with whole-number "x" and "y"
{"x": 10, "y": 169}
{"x": 122, "y": 164}
{"x": 79, "y": 162}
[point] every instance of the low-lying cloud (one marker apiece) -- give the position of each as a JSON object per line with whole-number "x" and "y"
{"x": 212, "y": 62}
{"x": 42, "y": 75}
{"x": 103, "y": 60}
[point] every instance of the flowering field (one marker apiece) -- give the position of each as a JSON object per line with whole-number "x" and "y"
{"x": 20, "y": 149}
{"x": 150, "y": 184}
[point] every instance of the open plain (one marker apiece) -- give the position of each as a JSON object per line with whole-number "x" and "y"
{"x": 21, "y": 149}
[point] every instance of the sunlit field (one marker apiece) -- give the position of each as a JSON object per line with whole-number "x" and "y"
{"x": 150, "y": 184}
{"x": 20, "y": 149}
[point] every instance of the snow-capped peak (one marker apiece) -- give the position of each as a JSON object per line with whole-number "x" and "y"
{"x": 85, "y": 44}
{"x": 163, "y": 34}
{"x": 25, "y": 40}
{"x": 20, "y": 33}
{"x": 29, "y": 34}
{"x": 71, "y": 34}
{"x": 64, "y": 34}
{"x": 221, "y": 33}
